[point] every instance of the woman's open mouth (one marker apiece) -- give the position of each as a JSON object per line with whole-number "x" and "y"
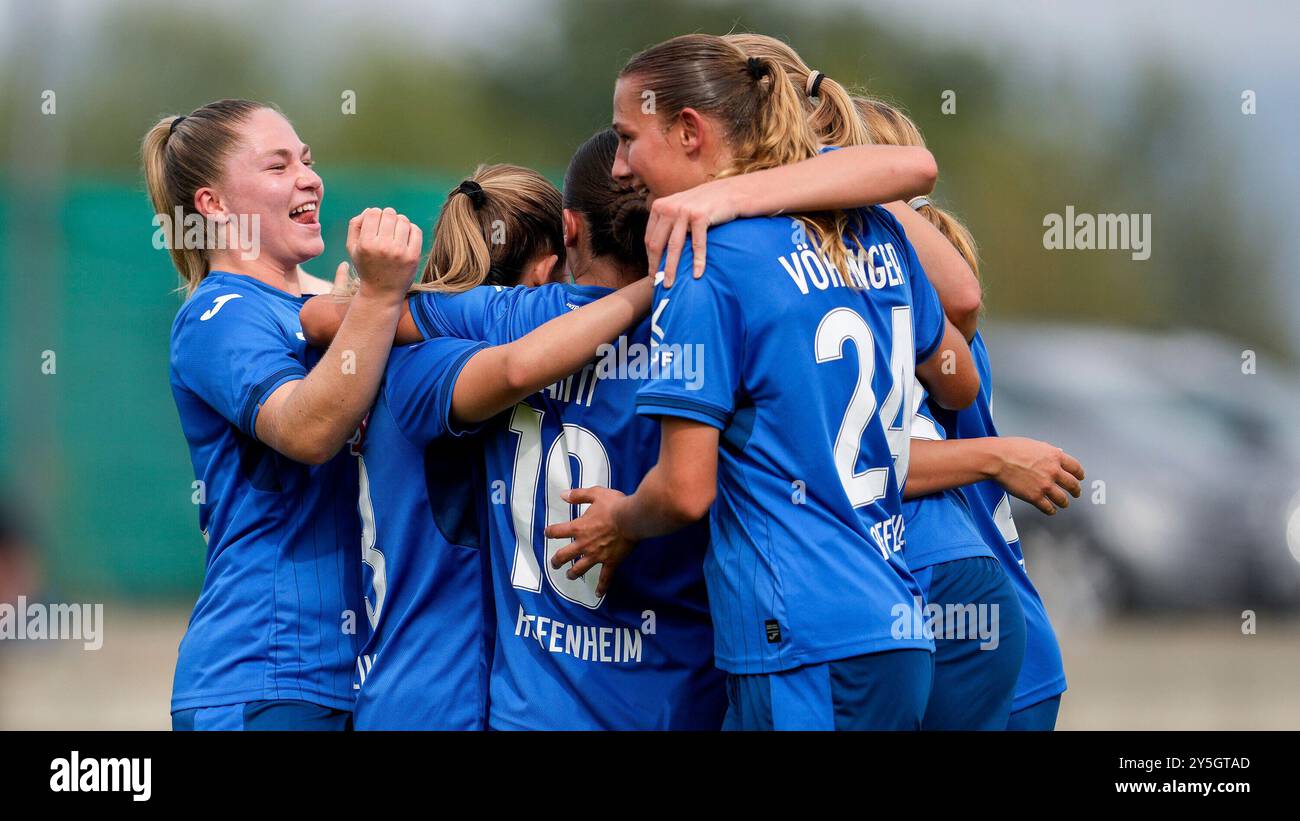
{"x": 305, "y": 214}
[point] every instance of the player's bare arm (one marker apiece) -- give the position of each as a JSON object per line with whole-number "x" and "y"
{"x": 309, "y": 419}
{"x": 323, "y": 315}
{"x": 851, "y": 177}
{"x": 1037, "y": 472}
{"x": 496, "y": 378}
{"x": 949, "y": 374}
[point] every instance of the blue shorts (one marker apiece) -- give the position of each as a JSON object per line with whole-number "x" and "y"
{"x": 1040, "y": 717}
{"x": 979, "y": 643}
{"x": 264, "y": 715}
{"x": 877, "y": 691}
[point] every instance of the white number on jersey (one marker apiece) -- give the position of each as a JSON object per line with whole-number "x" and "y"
{"x": 1006, "y": 524}
{"x": 576, "y": 443}
{"x": 842, "y": 325}
{"x": 370, "y": 554}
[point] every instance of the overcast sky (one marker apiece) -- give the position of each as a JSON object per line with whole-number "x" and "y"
{"x": 1222, "y": 47}
{"x": 1244, "y": 35}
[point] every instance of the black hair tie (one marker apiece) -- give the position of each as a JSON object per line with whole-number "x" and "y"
{"x": 175, "y": 123}
{"x": 815, "y": 84}
{"x": 474, "y": 191}
{"x": 756, "y": 68}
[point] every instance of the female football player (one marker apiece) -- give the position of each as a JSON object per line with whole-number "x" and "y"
{"x": 422, "y": 483}
{"x": 978, "y": 660}
{"x": 977, "y": 682}
{"x": 273, "y": 637}
{"x": 799, "y": 423}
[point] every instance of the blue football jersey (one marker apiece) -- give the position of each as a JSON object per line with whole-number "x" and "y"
{"x": 640, "y": 657}
{"x": 939, "y": 525}
{"x": 1042, "y": 675}
{"x": 277, "y": 617}
{"x": 810, "y": 382}
{"x": 425, "y": 665}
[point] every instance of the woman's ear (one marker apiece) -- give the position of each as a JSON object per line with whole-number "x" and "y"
{"x": 691, "y": 127}
{"x": 540, "y": 271}
{"x": 573, "y": 228}
{"x": 208, "y": 203}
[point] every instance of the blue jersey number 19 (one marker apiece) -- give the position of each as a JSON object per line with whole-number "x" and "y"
{"x": 576, "y": 443}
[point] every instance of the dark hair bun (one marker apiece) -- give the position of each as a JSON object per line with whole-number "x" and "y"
{"x": 627, "y": 225}
{"x": 616, "y": 215}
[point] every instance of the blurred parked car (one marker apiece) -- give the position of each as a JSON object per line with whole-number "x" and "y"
{"x": 1192, "y": 497}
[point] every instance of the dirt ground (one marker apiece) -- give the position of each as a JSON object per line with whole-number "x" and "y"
{"x": 1173, "y": 673}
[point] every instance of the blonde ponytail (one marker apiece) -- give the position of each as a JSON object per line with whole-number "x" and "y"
{"x": 955, "y": 232}
{"x": 830, "y": 112}
{"x": 189, "y": 263}
{"x": 840, "y": 118}
{"x": 888, "y": 125}
{"x": 491, "y": 226}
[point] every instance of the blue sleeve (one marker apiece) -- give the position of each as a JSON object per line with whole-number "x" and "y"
{"x": 419, "y": 383}
{"x": 466, "y": 315}
{"x": 488, "y": 313}
{"x": 233, "y": 358}
{"x": 533, "y": 308}
{"x": 927, "y": 311}
{"x": 697, "y": 322}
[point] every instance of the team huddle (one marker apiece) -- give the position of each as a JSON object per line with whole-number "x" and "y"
{"x": 702, "y": 441}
